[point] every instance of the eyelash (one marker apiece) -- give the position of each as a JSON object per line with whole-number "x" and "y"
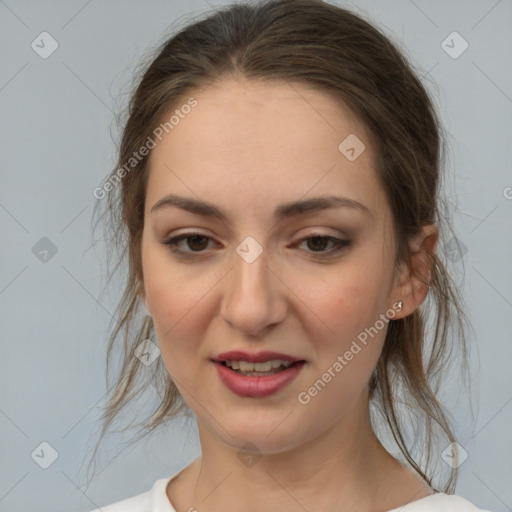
{"x": 339, "y": 245}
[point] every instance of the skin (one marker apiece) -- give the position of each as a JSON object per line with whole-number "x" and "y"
{"x": 247, "y": 147}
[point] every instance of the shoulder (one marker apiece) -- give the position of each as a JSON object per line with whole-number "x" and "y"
{"x": 153, "y": 499}
{"x": 441, "y": 501}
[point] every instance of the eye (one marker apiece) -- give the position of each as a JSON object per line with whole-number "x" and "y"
{"x": 318, "y": 242}
{"x": 195, "y": 241}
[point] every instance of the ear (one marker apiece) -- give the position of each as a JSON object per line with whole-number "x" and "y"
{"x": 412, "y": 284}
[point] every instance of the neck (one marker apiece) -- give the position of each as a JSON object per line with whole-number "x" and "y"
{"x": 343, "y": 468}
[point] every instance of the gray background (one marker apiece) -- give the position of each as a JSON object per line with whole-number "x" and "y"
{"x": 57, "y": 128}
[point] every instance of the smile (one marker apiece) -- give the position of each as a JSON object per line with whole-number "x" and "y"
{"x": 258, "y": 369}
{"x": 253, "y": 383}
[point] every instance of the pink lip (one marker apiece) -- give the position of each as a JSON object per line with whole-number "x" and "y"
{"x": 259, "y": 357}
{"x": 257, "y": 387}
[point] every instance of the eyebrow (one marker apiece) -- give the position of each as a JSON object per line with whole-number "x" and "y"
{"x": 285, "y": 210}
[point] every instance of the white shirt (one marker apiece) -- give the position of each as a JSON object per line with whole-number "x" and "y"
{"x": 156, "y": 500}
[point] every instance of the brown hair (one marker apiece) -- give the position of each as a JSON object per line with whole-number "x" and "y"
{"x": 338, "y": 52}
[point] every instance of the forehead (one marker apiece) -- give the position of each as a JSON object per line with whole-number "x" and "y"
{"x": 252, "y": 144}
{"x": 237, "y": 113}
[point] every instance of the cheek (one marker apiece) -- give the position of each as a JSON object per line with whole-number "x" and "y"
{"x": 178, "y": 318}
{"x": 347, "y": 353}
{"x": 172, "y": 289}
{"x": 348, "y": 302}
{"x": 178, "y": 302}
{"x": 351, "y": 307}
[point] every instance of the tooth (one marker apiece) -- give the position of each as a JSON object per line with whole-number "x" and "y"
{"x": 246, "y": 367}
{"x": 263, "y": 367}
{"x": 266, "y": 366}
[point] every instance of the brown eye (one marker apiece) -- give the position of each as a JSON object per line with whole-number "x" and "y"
{"x": 196, "y": 242}
{"x": 319, "y": 243}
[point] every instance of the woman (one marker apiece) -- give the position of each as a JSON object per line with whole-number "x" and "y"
{"x": 277, "y": 191}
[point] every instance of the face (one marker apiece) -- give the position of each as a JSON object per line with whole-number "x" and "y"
{"x": 311, "y": 283}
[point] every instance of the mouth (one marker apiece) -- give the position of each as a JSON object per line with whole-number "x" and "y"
{"x": 257, "y": 379}
{"x": 261, "y": 369}
{"x": 258, "y": 364}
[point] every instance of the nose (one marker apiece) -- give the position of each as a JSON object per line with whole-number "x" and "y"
{"x": 254, "y": 299}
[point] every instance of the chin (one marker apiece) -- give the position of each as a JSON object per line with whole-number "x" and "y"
{"x": 265, "y": 437}
{"x": 258, "y": 444}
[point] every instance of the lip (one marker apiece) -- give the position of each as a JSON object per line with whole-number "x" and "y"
{"x": 258, "y": 357}
{"x": 260, "y": 386}
{"x": 257, "y": 387}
